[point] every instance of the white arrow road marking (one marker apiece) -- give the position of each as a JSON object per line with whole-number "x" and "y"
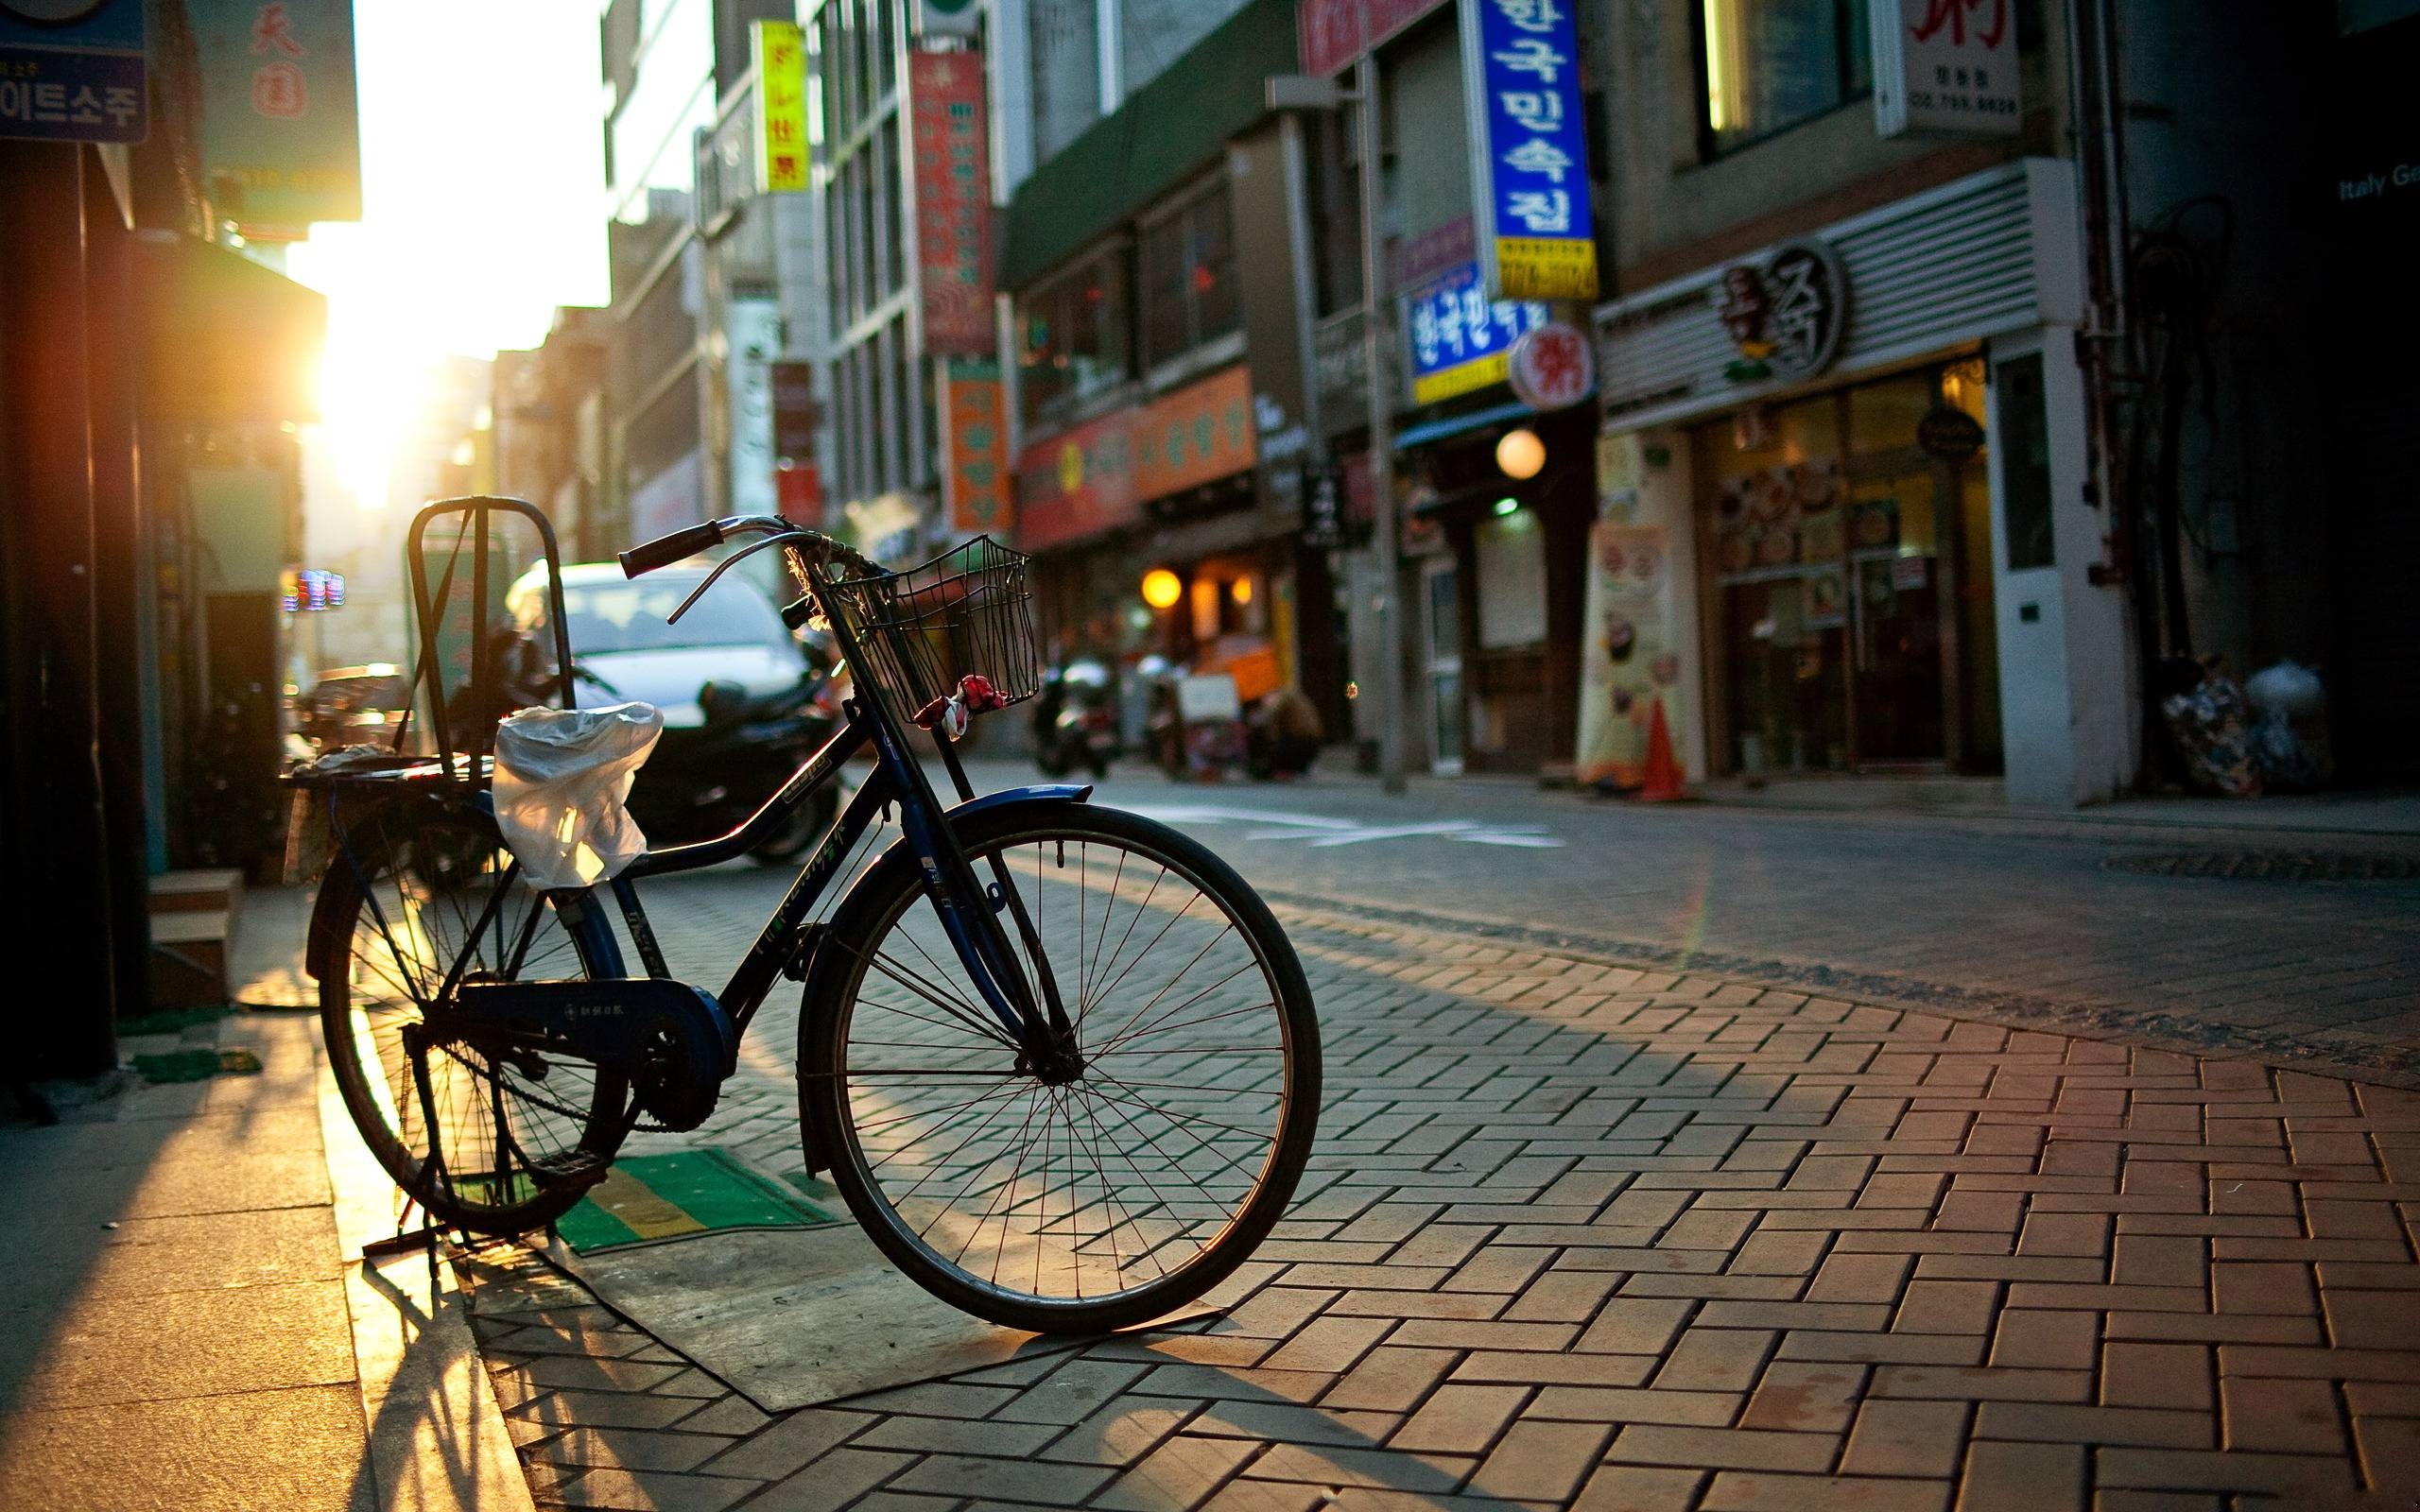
{"x": 1319, "y": 830}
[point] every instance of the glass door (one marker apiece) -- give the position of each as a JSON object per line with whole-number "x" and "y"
{"x": 1441, "y": 640}
{"x": 1895, "y": 620}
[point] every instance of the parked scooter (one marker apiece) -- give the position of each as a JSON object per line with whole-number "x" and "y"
{"x": 1075, "y": 720}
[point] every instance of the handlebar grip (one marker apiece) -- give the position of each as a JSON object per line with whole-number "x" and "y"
{"x": 666, "y": 550}
{"x": 798, "y": 611}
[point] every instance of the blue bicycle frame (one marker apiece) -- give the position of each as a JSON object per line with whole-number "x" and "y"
{"x": 1030, "y": 1010}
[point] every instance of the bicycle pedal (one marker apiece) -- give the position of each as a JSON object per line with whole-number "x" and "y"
{"x": 572, "y": 1171}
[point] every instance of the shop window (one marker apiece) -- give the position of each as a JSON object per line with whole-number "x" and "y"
{"x": 2024, "y": 443}
{"x": 1072, "y": 338}
{"x": 1189, "y": 277}
{"x": 1766, "y": 65}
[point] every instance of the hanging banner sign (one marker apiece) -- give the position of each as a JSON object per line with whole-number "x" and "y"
{"x": 280, "y": 123}
{"x": 951, "y": 136}
{"x": 1461, "y": 341}
{"x": 1334, "y": 34}
{"x": 1945, "y": 65}
{"x": 779, "y": 50}
{"x": 1528, "y": 149}
{"x": 974, "y": 437}
{"x": 71, "y": 71}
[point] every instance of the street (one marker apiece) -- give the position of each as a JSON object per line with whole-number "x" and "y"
{"x": 1614, "y": 1236}
{"x": 1982, "y": 913}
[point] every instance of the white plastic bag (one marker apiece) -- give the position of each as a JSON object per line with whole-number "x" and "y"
{"x": 561, "y": 777}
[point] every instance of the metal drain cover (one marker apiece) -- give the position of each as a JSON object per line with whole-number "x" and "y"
{"x": 2270, "y": 866}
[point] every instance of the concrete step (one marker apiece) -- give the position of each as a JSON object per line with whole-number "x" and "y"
{"x": 217, "y": 889}
{"x": 190, "y": 948}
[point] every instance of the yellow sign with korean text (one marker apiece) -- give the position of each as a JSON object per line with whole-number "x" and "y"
{"x": 779, "y": 50}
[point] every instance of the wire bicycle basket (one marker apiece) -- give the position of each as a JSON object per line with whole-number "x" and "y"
{"x": 967, "y": 612}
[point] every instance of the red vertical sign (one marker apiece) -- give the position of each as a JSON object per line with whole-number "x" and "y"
{"x": 951, "y": 138}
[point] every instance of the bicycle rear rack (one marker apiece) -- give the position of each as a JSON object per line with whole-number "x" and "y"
{"x": 429, "y": 610}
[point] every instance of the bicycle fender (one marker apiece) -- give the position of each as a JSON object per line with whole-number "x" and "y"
{"x": 1041, "y": 793}
{"x": 900, "y": 855}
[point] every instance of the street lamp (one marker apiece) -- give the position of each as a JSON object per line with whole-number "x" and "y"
{"x": 1520, "y": 454}
{"x": 1162, "y": 587}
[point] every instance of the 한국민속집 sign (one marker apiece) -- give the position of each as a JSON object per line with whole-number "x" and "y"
{"x": 780, "y": 51}
{"x": 1460, "y": 340}
{"x": 1945, "y": 65}
{"x": 1528, "y": 149}
{"x": 72, "y": 70}
{"x": 280, "y": 123}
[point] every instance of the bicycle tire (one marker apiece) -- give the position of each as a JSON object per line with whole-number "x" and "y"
{"x": 425, "y": 860}
{"x": 859, "y": 930}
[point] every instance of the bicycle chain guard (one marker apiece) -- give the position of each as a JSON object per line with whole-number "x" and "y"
{"x": 673, "y": 1040}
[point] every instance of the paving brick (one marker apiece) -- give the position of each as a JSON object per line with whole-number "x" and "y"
{"x": 1460, "y": 1420}
{"x": 1894, "y": 1437}
{"x": 2155, "y": 1375}
{"x": 1804, "y": 1395}
{"x": 2293, "y": 1416}
{"x": 1034, "y": 1480}
{"x": 1540, "y": 1461}
{"x": 1722, "y": 1448}
{"x": 2022, "y": 1478}
{"x": 1639, "y": 1489}
{"x": 1748, "y": 1491}
{"x": 1180, "y": 1473}
{"x": 2060, "y": 1422}
{"x": 1709, "y": 1359}
{"x": 655, "y": 1491}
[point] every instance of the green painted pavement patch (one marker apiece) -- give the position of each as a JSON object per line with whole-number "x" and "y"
{"x": 648, "y": 1198}
{"x": 195, "y": 1064}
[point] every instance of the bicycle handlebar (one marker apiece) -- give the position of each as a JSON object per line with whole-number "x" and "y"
{"x": 813, "y": 545}
{"x": 666, "y": 550}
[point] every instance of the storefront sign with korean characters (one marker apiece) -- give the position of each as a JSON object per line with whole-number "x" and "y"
{"x": 1945, "y": 65}
{"x": 1528, "y": 149}
{"x": 72, "y": 70}
{"x": 780, "y": 51}
{"x": 1552, "y": 368}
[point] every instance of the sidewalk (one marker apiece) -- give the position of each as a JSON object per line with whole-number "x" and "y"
{"x": 1583, "y": 1235}
{"x": 189, "y": 1326}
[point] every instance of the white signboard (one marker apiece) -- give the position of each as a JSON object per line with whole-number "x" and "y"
{"x": 1945, "y": 65}
{"x": 756, "y": 332}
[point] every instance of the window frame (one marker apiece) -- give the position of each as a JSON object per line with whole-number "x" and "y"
{"x": 1181, "y": 211}
{"x": 1049, "y": 406}
{"x": 1711, "y": 147}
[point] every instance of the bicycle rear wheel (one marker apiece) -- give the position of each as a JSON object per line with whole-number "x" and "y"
{"x": 496, "y": 1143}
{"x": 1089, "y": 1201}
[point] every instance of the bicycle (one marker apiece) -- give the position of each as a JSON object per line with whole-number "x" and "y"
{"x": 1028, "y": 1121}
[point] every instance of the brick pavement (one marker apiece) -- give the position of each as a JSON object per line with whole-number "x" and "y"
{"x": 1587, "y": 1235}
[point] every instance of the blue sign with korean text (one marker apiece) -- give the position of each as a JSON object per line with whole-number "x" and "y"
{"x": 1459, "y": 341}
{"x": 1521, "y": 58}
{"x": 72, "y": 70}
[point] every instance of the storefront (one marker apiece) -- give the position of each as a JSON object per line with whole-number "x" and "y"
{"x": 1854, "y": 463}
{"x": 1169, "y": 491}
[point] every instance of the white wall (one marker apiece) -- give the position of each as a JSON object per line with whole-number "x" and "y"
{"x": 2067, "y": 694}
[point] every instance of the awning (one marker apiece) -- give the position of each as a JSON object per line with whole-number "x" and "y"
{"x": 223, "y": 337}
{"x": 1437, "y": 430}
{"x": 1172, "y": 126}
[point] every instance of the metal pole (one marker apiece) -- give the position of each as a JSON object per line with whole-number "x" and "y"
{"x": 1382, "y": 460}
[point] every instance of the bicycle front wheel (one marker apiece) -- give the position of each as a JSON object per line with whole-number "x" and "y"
{"x": 1121, "y": 1186}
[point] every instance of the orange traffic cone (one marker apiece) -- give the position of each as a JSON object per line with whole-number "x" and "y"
{"x": 1663, "y": 785}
